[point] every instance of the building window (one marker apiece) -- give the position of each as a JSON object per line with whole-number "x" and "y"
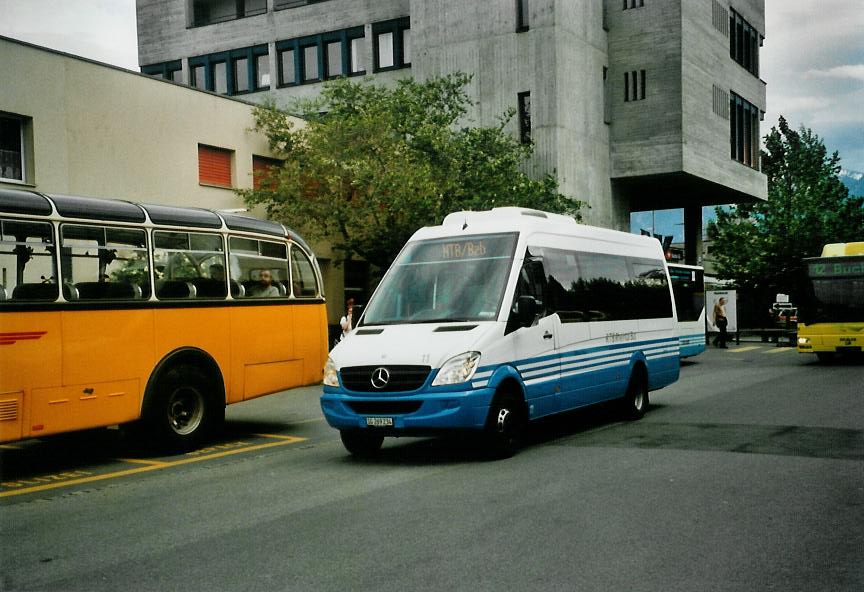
{"x": 280, "y": 4}
{"x": 12, "y": 148}
{"x": 522, "y": 16}
{"x": 358, "y": 55}
{"x": 241, "y": 75}
{"x": 310, "y": 63}
{"x": 607, "y": 117}
{"x": 720, "y": 18}
{"x": 324, "y": 56}
{"x": 744, "y": 43}
{"x": 287, "y": 68}
{"x": 232, "y": 72}
{"x": 744, "y": 119}
{"x": 634, "y": 85}
{"x": 214, "y": 166}
{"x": 392, "y": 41}
{"x": 633, "y": 4}
{"x": 199, "y": 77}
{"x": 262, "y": 72}
{"x": 208, "y": 12}
{"x": 261, "y": 166}
{"x": 168, "y": 70}
{"x": 220, "y": 77}
{"x": 524, "y": 100}
{"x": 333, "y": 49}
{"x": 720, "y": 102}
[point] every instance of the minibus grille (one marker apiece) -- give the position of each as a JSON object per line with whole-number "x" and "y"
{"x": 384, "y": 407}
{"x": 371, "y": 379}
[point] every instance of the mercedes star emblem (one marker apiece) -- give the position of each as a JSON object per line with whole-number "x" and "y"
{"x": 380, "y": 378}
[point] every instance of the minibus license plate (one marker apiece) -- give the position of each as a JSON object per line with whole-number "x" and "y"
{"x": 379, "y": 422}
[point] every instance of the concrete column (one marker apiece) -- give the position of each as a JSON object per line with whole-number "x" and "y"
{"x": 693, "y": 235}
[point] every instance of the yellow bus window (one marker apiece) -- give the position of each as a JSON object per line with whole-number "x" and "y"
{"x": 27, "y": 267}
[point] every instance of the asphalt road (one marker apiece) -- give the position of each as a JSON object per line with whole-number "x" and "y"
{"x": 747, "y": 474}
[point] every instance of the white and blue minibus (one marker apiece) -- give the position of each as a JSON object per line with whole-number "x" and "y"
{"x": 497, "y": 318}
{"x": 688, "y": 286}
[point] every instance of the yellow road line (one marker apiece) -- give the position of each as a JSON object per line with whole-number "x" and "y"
{"x": 141, "y": 461}
{"x": 746, "y": 348}
{"x": 780, "y": 350}
{"x": 9, "y": 447}
{"x": 150, "y": 467}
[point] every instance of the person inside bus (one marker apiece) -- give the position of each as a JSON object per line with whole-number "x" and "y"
{"x": 721, "y": 322}
{"x": 264, "y": 288}
{"x": 217, "y": 272}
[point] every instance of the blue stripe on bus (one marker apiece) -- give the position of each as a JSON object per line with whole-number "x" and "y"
{"x": 581, "y": 361}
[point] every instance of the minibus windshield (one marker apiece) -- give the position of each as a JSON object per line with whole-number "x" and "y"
{"x": 450, "y": 279}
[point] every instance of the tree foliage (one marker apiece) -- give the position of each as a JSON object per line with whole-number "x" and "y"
{"x": 761, "y": 246}
{"x": 372, "y": 164}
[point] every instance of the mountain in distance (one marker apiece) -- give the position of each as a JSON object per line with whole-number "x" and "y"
{"x": 853, "y": 180}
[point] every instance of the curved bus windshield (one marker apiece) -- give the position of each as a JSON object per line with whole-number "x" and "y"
{"x": 440, "y": 280}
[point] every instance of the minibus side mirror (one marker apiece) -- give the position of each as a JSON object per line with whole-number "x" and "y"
{"x": 526, "y": 310}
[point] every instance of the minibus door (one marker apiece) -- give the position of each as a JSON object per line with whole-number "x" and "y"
{"x": 535, "y": 334}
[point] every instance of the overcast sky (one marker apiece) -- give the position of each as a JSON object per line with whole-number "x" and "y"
{"x": 813, "y": 58}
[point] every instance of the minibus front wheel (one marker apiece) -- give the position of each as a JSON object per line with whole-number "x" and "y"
{"x": 505, "y": 425}
{"x": 361, "y": 443}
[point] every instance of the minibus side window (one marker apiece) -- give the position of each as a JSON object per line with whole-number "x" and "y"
{"x": 531, "y": 283}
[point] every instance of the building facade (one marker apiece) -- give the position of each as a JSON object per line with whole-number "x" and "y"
{"x": 632, "y": 104}
{"x": 75, "y": 126}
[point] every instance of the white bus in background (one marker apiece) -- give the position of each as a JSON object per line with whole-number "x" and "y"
{"x": 688, "y": 286}
{"x": 496, "y": 318}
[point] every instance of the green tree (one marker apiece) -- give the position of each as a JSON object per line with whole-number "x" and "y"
{"x": 761, "y": 245}
{"x": 372, "y": 164}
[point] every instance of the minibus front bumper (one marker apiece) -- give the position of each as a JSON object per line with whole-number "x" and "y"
{"x": 407, "y": 414}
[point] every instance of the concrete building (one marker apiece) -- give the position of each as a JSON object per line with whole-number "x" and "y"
{"x": 75, "y": 126}
{"x": 632, "y": 104}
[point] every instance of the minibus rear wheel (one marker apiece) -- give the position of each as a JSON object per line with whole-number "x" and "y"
{"x": 635, "y": 401}
{"x": 361, "y": 444}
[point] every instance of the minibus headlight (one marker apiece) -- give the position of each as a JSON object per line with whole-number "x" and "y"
{"x": 331, "y": 377}
{"x": 803, "y": 340}
{"x": 458, "y": 369}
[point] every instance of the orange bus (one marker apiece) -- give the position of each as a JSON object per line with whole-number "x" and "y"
{"x": 113, "y": 312}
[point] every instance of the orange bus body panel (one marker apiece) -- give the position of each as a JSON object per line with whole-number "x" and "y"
{"x": 68, "y": 370}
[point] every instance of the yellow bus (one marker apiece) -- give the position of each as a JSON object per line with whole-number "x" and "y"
{"x": 831, "y": 319}
{"x": 113, "y": 312}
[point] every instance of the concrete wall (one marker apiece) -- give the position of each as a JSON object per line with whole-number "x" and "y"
{"x": 107, "y": 132}
{"x": 669, "y": 148}
{"x": 164, "y": 35}
{"x": 706, "y": 63}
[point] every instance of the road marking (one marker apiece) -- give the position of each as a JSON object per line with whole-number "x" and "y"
{"x": 9, "y": 447}
{"x": 746, "y": 348}
{"x": 780, "y": 350}
{"x": 76, "y": 478}
{"x": 141, "y": 461}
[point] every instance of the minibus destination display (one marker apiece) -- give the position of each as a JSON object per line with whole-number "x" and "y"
{"x": 475, "y": 247}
